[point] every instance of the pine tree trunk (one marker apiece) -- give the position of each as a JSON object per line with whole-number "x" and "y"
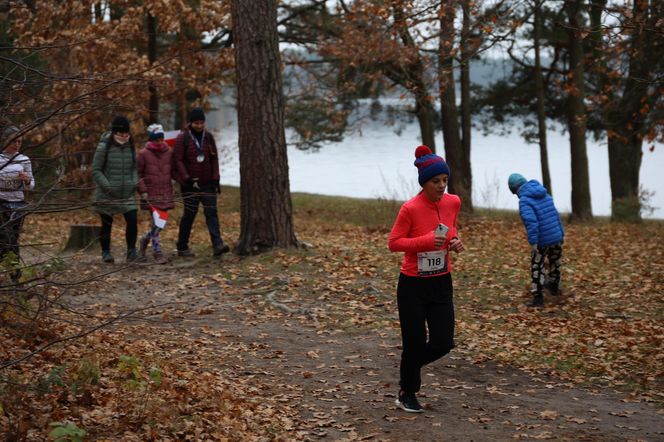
{"x": 576, "y": 117}
{"x": 266, "y": 212}
{"x": 539, "y": 93}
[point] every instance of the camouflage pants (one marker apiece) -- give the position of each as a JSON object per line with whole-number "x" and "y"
{"x": 545, "y": 267}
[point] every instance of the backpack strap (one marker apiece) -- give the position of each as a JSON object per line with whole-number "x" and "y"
{"x": 108, "y": 144}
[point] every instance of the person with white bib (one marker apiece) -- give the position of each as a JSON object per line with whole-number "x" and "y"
{"x": 426, "y": 231}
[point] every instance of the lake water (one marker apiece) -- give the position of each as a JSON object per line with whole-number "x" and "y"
{"x": 378, "y": 163}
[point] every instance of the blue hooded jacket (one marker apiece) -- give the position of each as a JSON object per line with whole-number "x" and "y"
{"x": 539, "y": 215}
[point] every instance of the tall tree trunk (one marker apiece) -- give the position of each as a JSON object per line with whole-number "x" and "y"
{"x": 266, "y": 207}
{"x": 180, "y": 114}
{"x": 179, "y": 99}
{"x": 454, "y": 155}
{"x": 625, "y": 154}
{"x": 153, "y": 105}
{"x": 576, "y": 116}
{"x": 411, "y": 76}
{"x": 425, "y": 115}
{"x": 540, "y": 96}
{"x": 466, "y": 124}
{"x": 98, "y": 12}
{"x": 625, "y": 121}
{"x": 115, "y": 11}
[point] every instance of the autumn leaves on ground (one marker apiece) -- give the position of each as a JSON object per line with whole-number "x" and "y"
{"x": 117, "y": 354}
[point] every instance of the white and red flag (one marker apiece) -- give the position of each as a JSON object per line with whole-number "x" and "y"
{"x": 170, "y": 136}
{"x": 159, "y": 216}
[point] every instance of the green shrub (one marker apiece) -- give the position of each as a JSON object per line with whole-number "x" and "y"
{"x": 66, "y": 432}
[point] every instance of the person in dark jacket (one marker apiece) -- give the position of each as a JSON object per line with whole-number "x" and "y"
{"x": 196, "y": 169}
{"x": 155, "y": 187}
{"x": 545, "y": 235}
{"x": 115, "y": 176}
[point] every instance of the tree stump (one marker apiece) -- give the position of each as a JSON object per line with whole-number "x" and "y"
{"x": 82, "y": 236}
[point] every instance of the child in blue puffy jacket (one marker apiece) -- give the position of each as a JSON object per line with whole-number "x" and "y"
{"x": 545, "y": 235}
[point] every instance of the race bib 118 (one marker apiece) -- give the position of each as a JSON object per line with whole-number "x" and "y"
{"x": 431, "y": 263}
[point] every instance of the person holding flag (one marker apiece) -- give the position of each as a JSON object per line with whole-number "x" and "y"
{"x": 155, "y": 188}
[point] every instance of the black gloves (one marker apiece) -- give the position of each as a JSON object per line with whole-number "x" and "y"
{"x": 192, "y": 183}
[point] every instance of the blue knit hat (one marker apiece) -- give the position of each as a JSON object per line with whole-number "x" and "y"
{"x": 429, "y": 164}
{"x": 515, "y": 181}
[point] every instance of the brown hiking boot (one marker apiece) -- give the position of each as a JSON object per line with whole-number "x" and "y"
{"x": 159, "y": 258}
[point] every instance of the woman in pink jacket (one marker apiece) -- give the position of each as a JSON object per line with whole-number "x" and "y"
{"x": 155, "y": 187}
{"x": 425, "y": 230}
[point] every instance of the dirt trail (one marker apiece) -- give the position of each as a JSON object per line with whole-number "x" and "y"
{"x": 344, "y": 383}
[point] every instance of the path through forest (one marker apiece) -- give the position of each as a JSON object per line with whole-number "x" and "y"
{"x": 343, "y": 382}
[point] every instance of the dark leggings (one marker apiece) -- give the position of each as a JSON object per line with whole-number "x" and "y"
{"x": 131, "y": 218}
{"x": 425, "y": 304}
{"x": 11, "y": 221}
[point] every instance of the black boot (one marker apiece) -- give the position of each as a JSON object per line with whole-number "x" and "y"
{"x": 538, "y": 301}
{"x": 552, "y": 288}
{"x": 220, "y": 249}
{"x": 107, "y": 257}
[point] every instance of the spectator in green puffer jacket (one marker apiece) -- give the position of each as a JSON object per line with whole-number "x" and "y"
{"x": 115, "y": 176}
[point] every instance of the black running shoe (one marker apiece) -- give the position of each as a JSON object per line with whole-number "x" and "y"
{"x": 408, "y": 402}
